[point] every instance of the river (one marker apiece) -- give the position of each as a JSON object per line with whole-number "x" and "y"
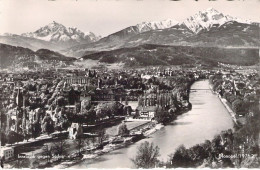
{"x": 207, "y": 118}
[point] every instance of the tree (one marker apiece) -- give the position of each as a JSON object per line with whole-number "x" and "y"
{"x": 216, "y": 147}
{"x": 48, "y": 125}
{"x": 161, "y": 116}
{"x": 181, "y": 158}
{"x": 140, "y": 101}
{"x": 3, "y": 138}
{"x": 122, "y": 130}
{"x": 85, "y": 105}
{"x": 72, "y": 96}
{"x": 13, "y": 137}
{"x": 89, "y": 116}
{"x": 230, "y": 97}
{"x": 113, "y": 109}
{"x": 22, "y": 163}
{"x": 27, "y": 134}
{"x": 34, "y": 163}
{"x": 102, "y": 136}
{"x": 100, "y": 113}
{"x": 207, "y": 146}
{"x": 62, "y": 124}
{"x": 79, "y": 118}
{"x": 80, "y": 143}
{"x": 60, "y": 147}
{"x": 48, "y": 128}
{"x": 58, "y": 128}
{"x": 126, "y": 101}
{"x": 238, "y": 106}
{"x": 61, "y": 101}
{"x": 65, "y": 124}
{"x": 197, "y": 154}
{"x": 36, "y": 129}
{"x": 127, "y": 110}
{"x": 147, "y": 155}
{"x": 47, "y": 151}
{"x": 216, "y": 84}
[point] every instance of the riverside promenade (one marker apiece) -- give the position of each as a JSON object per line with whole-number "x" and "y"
{"x": 230, "y": 111}
{"x": 224, "y": 102}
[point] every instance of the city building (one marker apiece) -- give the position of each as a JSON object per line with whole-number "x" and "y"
{"x": 77, "y": 80}
{"x": 7, "y": 153}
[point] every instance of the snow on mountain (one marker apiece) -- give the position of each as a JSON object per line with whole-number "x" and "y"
{"x": 56, "y": 32}
{"x": 204, "y": 20}
{"x": 155, "y": 25}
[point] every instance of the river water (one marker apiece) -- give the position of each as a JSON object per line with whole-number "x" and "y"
{"x": 207, "y": 118}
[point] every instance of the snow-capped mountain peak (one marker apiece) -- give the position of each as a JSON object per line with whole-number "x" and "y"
{"x": 155, "y": 25}
{"x": 204, "y": 20}
{"x": 56, "y": 32}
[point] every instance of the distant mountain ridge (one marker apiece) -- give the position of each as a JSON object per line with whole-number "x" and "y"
{"x": 53, "y": 36}
{"x": 151, "y": 54}
{"x": 117, "y": 37}
{"x": 205, "y": 20}
{"x": 155, "y": 25}
{"x": 12, "y": 56}
{"x": 208, "y": 28}
{"x": 55, "y": 32}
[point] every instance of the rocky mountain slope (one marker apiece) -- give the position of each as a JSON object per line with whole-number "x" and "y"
{"x": 55, "y": 32}
{"x": 115, "y": 40}
{"x": 206, "y": 28}
{"x": 53, "y": 36}
{"x": 205, "y": 20}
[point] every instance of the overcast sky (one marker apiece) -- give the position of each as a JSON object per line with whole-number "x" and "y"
{"x": 104, "y": 17}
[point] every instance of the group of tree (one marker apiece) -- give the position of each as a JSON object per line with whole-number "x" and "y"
{"x": 164, "y": 116}
{"x": 109, "y": 110}
{"x": 13, "y": 137}
{"x": 238, "y": 104}
{"x": 161, "y": 115}
{"x": 216, "y": 80}
{"x": 48, "y": 125}
{"x": 59, "y": 149}
{"x": 32, "y": 130}
{"x": 208, "y": 152}
{"x": 243, "y": 140}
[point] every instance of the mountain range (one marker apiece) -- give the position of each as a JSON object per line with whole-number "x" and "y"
{"x": 205, "y": 20}
{"x": 54, "y": 36}
{"x": 55, "y": 32}
{"x": 205, "y": 30}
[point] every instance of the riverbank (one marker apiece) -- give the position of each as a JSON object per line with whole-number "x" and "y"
{"x": 146, "y": 131}
{"x": 232, "y": 114}
{"x": 122, "y": 143}
{"x": 224, "y": 102}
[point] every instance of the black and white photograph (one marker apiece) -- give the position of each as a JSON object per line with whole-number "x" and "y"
{"x": 133, "y": 84}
